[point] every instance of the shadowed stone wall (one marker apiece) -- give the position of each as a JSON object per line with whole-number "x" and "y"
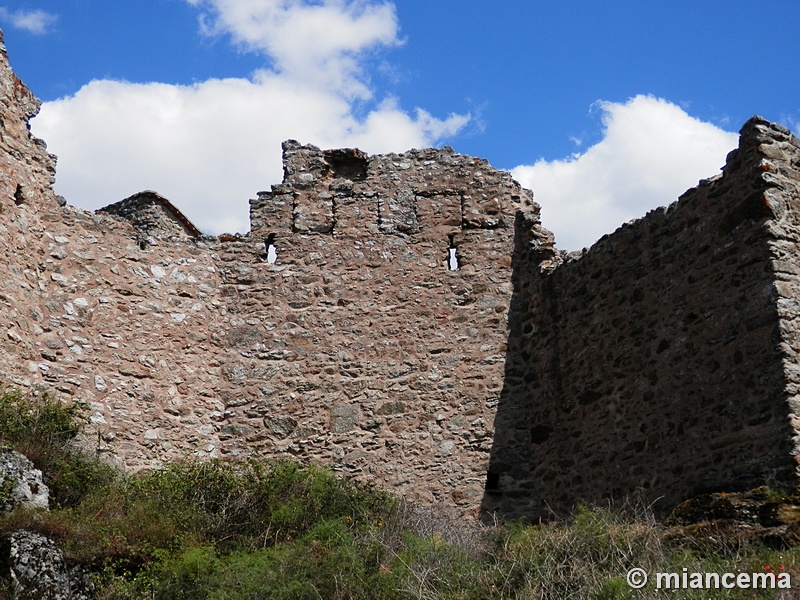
{"x": 658, "y": 361}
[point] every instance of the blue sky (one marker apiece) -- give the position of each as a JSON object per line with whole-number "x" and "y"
{"x": 605, "y": 109}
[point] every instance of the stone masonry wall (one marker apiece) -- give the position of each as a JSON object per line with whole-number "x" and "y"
{"x": 665, "y": 358}
{"x": 90, "y": 315}
{"x": 656, "y": 360}
{"x": 367, "y": 354}
{"x": 778, "y": 160}
{"x": 357, "y": 348}
{"x": 27, "y": 171}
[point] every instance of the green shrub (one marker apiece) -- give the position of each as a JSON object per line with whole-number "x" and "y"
{"x": 324, "y": 563}
{"x": 44, "y": 419}
{"x": 133, "y": 521}
{"x": 293, "y": 499}
{"x": 191, "y": 574}
{"x": 44, "y": 429}
{"x": 255, "y": 529}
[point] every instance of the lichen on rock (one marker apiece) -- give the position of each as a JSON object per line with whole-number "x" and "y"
{"x": 20, "y": 482}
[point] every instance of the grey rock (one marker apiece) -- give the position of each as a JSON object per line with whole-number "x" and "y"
{"x": 343, "y": 418}
{"x": 20, "y": 482}
{"x": 37, "y": 570}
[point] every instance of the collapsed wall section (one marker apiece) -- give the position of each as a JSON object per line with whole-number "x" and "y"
{"x": 27, "y": 170}
{"x": 655, "y": 362}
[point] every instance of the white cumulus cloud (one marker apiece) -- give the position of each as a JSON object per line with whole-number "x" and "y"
{"x": 317, "y": 43}
{"x": 35, "y": 21}
{"x": 210, "y": 146}
{"x": 651, "y": 152}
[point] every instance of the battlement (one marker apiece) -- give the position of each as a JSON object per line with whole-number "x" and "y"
{"x": 425, "y": 193}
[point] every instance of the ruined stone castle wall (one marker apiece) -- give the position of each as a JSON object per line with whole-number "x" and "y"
{"x": 340, "y": 331}
{"x": 656, "y": 361}
{"x": 360, "y": 346}
{"x": 27, "y": 170}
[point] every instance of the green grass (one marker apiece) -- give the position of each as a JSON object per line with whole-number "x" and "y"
{"x": 256, "y": 529}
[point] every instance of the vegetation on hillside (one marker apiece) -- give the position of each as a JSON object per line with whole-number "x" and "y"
{"x": 257, "y": 529}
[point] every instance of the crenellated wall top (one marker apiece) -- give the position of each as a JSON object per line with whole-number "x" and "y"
{"x": 350, "y": 193}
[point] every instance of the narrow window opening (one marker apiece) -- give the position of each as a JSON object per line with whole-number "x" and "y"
{"x": 452, "y": 255}
{"x": 142, "y": 245}
{"x": 492, "y": 481}
{"x": 19, "y": 196}
{"x": 452, "y": 260}
{"x": 271, "y": 249}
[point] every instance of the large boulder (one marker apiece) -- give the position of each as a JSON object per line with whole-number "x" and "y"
{"x": 37, "y": 569}
{"x": 20, "y": 482}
